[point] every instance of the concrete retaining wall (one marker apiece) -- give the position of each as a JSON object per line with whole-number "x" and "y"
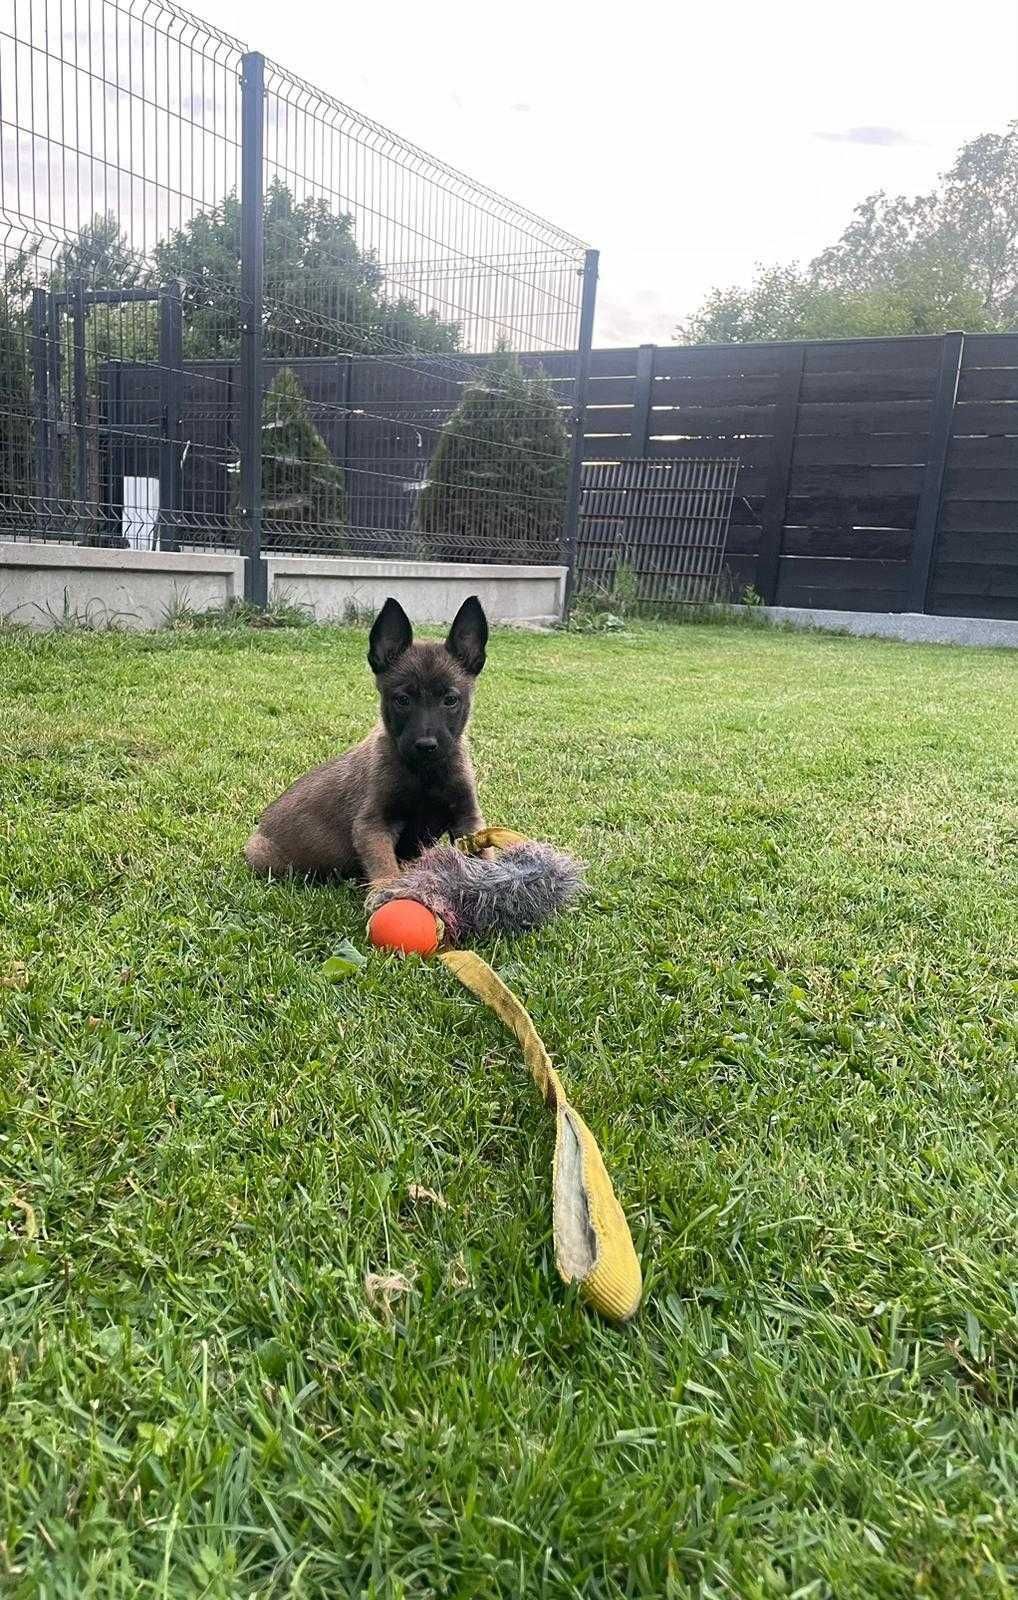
{"x": 429, "y": 591}
{"x": 43, "y": 585}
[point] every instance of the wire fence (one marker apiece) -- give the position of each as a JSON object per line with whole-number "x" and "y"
{"x": 236, "y": 314}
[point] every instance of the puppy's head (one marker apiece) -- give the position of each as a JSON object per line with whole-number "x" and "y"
{"x": 426, "y": 689}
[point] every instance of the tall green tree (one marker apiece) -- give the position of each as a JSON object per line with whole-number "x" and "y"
{"x": 497, "y": 480}
{"x": 789, "y": 303}
{"x": 100, "y": 255}
{"x": 303, "y": 491}
{"x": 324, "y": 295}
{"x": 904, "y": 264}
{"x": 16, "y": 428}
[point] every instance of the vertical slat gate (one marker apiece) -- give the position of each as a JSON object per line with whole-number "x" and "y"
{"x": 653, "y": 532}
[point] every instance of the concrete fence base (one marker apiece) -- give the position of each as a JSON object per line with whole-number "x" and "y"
{"x": 45, "y": 586}
{"x": 911, "y": 627}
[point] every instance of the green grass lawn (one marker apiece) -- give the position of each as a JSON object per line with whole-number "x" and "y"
{"x": 788, "y": 1011}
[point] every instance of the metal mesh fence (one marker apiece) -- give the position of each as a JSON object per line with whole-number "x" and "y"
{"x": 235, "y": 313}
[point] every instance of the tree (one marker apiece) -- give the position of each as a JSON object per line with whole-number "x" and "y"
{"x": 789, "y": 303}
{"x": 948, "y": 259}
{"x": 302, "y": 487}
{"x": 16, "y": 435}
{"x": 324, "y": 295}
{"x": 497, "y": 480}
{"x": 99, "y": 255}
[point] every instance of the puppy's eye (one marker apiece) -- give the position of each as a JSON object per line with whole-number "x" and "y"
{"x": 451, "y": 699}
{"x": 401, "y": 700}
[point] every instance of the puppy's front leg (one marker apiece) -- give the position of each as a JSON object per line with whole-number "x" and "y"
{"x": 467, "y": 820}
{"x": 375, "y": 847}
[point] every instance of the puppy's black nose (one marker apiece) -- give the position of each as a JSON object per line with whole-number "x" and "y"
{"x": 424, "y": 747}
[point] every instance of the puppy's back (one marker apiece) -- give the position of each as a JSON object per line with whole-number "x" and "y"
{"x": 308, "y": 830}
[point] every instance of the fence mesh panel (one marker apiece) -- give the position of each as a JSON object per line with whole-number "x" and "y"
{"x": 391, "y": 414}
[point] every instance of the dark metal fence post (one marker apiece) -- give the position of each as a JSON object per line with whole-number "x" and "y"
{"x": 80, "y": 394}
{"x": 252, "y": 228}
{"x": 779, "y": 473}
{"x": 55, "y": 474}
{"x": 171, "y": 383}
{"x": 571, "y": 520}
{"x": 41, "y": 407}
{"x": 927, "y": 522}
{"x": 642, "y": 396}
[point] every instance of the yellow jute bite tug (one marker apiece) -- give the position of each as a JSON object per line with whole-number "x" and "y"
{"x": 593, "y": 1245}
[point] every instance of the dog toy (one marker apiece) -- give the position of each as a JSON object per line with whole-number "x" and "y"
{"x": 452, "y": 894}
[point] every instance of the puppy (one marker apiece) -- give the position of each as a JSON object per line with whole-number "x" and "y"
{"x": 408, "y": 783}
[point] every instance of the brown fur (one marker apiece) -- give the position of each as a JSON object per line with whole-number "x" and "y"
{"x": 404, "y": 786}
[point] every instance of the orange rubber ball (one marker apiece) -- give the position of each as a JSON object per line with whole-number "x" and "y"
{"x": 406, "y": 927}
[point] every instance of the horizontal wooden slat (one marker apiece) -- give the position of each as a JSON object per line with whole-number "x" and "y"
{"x": 982, "y": 483}
{"x": 988, "y": 383}
{"x": 608, "y": 392}
{"x": 748, "y": 505}
{"x": 616, "y": 447}
{"x": 613, "y": 363}
{"x": 1002, "y": 608}
{"x": 881, "y": 416}
{"x": 991, "y": 350}
{"x": 609, "y": 419}
{"x": 978, "y": 549}
{"x": 998, "y": 580}
{"x": 688, "y": 361}
{"x": 749, "y": 452}
{"x": 742, "y": 541}
{"x": 745, "y": 389}
{"x": 987, "y": 417}
{"x": 876, "y": 450}
{"x": 874, "y": 355}
{"x": 979, "y": 516}
{"x": 854, "y": 599}
{"x": 906, "y": 383}
{"x": 864, "y": 511}
{"x": 864, "y": 480}
{"x": 870, "y": 544}
{"x": 981, "y": 452}
{"x": 708, "y": 422}
{"x": 822, "y": 572}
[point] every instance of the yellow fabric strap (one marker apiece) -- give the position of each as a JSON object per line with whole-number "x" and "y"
{"x": 593, "y": 1245}
{"x": 489, "y": 839}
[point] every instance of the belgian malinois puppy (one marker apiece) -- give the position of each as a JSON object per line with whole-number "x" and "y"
{"x": 404, "y": 786}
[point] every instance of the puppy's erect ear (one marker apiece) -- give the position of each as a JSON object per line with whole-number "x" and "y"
{"x": 468, "y": 636}
{"x": 390, "y": 635}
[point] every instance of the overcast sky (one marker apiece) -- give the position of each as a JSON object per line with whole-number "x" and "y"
{"x": 686, "y": 141}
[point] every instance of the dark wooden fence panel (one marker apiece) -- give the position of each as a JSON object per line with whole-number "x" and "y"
{"x": 857, "y": 470}
{"x": 874, "y": 474}
{"x": 975, "y": 564}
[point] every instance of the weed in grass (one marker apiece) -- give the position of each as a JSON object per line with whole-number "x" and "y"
{"x": 182, "y": 617}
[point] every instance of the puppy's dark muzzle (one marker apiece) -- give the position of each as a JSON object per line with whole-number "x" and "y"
{"x": 423, "y": 753}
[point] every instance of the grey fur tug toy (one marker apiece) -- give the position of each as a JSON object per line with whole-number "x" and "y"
{"x": 524, "y": 885}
